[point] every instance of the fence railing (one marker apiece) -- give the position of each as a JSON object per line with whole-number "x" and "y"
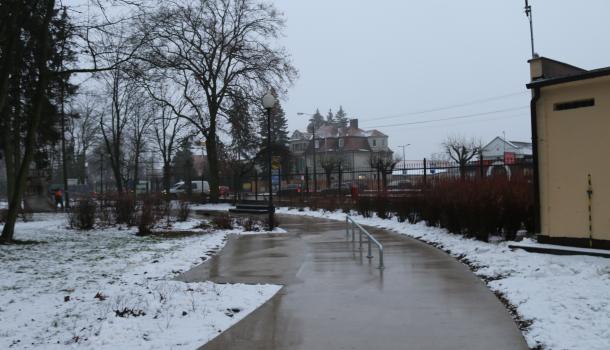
{"x": 370, "y": 238}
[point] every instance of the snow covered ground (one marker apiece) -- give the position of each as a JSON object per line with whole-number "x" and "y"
{"x": 109, "y": 289}
{"x": 565, "y": 299}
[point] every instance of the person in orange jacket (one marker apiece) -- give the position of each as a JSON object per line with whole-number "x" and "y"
{"x": 59, "y": 199}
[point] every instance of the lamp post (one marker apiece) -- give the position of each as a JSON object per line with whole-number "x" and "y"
{"x": 269, "y": 102}
{"x": 404, "y": 160}
{"x": 202, "y": 144}
{"x": 315, "y": 176}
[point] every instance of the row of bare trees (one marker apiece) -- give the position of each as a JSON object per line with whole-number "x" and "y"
{"x": 127, "y": 77}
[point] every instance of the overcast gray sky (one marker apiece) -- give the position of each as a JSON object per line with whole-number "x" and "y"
{"x": 387, "y": 58}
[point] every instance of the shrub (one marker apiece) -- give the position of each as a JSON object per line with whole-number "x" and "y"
{"x": 125, "y": 209}
{"x": 222, "y": 222}
{"x": 82, "y": 215}
{"x": 472, "y": 207}
{"x": 250, "y": 225}
{"x": 146, "y": 219}
{"x": 184, "y": 209}
{"x": 381, "y": 206}
{"x": 276, "y": 221}
{"x": 364, "y": 206}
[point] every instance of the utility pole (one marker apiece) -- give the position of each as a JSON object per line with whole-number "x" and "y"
{"x": 528, "y": 13}
{"x": 315, "y": 171}
{"x": 403, "y": 155}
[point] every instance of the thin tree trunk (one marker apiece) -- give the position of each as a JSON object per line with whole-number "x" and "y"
{"x": 63, "y": 150}
{"x": 166, "y": 176}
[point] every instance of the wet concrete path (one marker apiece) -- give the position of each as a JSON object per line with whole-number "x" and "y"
{"x": 336, "y": 298}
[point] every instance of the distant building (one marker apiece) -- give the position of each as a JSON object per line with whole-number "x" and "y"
{"x": 507, "y": 152}
{"x": 352, "y": 145}
{"x": 571, "y": 141}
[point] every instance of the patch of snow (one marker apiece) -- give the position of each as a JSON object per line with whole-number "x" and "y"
{"x": 49, "y": 290}
{"x": 534, "y": 244}
{"x": 212, "y": 206}
{"x": 566, "y": 298}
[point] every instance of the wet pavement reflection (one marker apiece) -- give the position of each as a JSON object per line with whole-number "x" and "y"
{"x": 334, "y": 297}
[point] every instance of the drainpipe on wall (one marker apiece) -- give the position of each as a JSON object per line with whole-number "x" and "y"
{"x": 534, "y": 126}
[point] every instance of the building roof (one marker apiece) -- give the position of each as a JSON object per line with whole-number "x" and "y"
{"x": 350, "y": 144}
{"x": 328, "y": 131}
{"x": 555, "y": 72}
{"x": 375, "y": 133}
{"x": 520, "y": 147}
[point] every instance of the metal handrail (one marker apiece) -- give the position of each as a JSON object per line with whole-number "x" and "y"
{"x": 370, "y": 237}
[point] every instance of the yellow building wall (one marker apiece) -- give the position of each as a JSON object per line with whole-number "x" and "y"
{"x": 573, "y": 144}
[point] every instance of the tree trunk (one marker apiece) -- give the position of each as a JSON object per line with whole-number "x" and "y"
{"x": 64, "y": 164}
{"x": 136, "y": 172}
{"x": 384, "y": 180}
{"x": 328, "y": 178}
{"x": 211, "y": 148}
{"x": 166, "y": 176}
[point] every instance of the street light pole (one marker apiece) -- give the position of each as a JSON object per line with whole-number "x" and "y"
{"x": 202, "y": 144}
{"x": 315, "y": 172}
{"x": 268, "y": 103}
{"x": 403, "y": 151}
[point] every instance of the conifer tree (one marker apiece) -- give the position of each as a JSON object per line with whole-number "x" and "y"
{"x": 330, "y": 117}
{"x": 341, "y": 118}
{"x": 317, "y": 120}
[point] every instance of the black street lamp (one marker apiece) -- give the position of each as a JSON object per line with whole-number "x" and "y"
{"x": 269, "y": 102}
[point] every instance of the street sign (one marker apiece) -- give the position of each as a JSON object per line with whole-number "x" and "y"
{"x": 275, "y": 163}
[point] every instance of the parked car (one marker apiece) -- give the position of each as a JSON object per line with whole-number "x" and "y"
{"x": 400, "y": 185}
{"x": 290, "y": 190}
{"x": 334, "y": 189}
{"x": 196, "y": 187}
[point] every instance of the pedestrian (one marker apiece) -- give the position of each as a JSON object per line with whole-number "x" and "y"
{"x": 354, "y": 192}
{"x": 59, "y": 199}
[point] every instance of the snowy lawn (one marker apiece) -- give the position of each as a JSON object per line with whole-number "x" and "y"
{"x": 110, "y": 289}
{"x": 564, "y": 300}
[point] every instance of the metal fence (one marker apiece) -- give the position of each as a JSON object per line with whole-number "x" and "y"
{"x": 400, "y": 180}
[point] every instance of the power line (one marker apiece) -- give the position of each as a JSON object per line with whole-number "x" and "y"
{"x": 492, "y": 98}
{"x": 443, "y": 125}
{"x": 450, "y": 118}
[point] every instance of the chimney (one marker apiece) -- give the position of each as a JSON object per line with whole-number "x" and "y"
{"x": 353, "y": 123}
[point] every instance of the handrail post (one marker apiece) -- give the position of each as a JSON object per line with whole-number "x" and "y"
{"x": 371, "y": 240}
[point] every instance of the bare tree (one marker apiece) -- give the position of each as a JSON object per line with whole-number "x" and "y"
{"x": 330, "y": 163}
{"x": 168, "y": 131}
{"x": 384, "y": 163}
{"x": 84, "y": 129}
{"x": 462, "y": 150}
{"x": 211, "y": 49}
{"x": 139, "y": 123}
{"x": 113, "y": 123}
